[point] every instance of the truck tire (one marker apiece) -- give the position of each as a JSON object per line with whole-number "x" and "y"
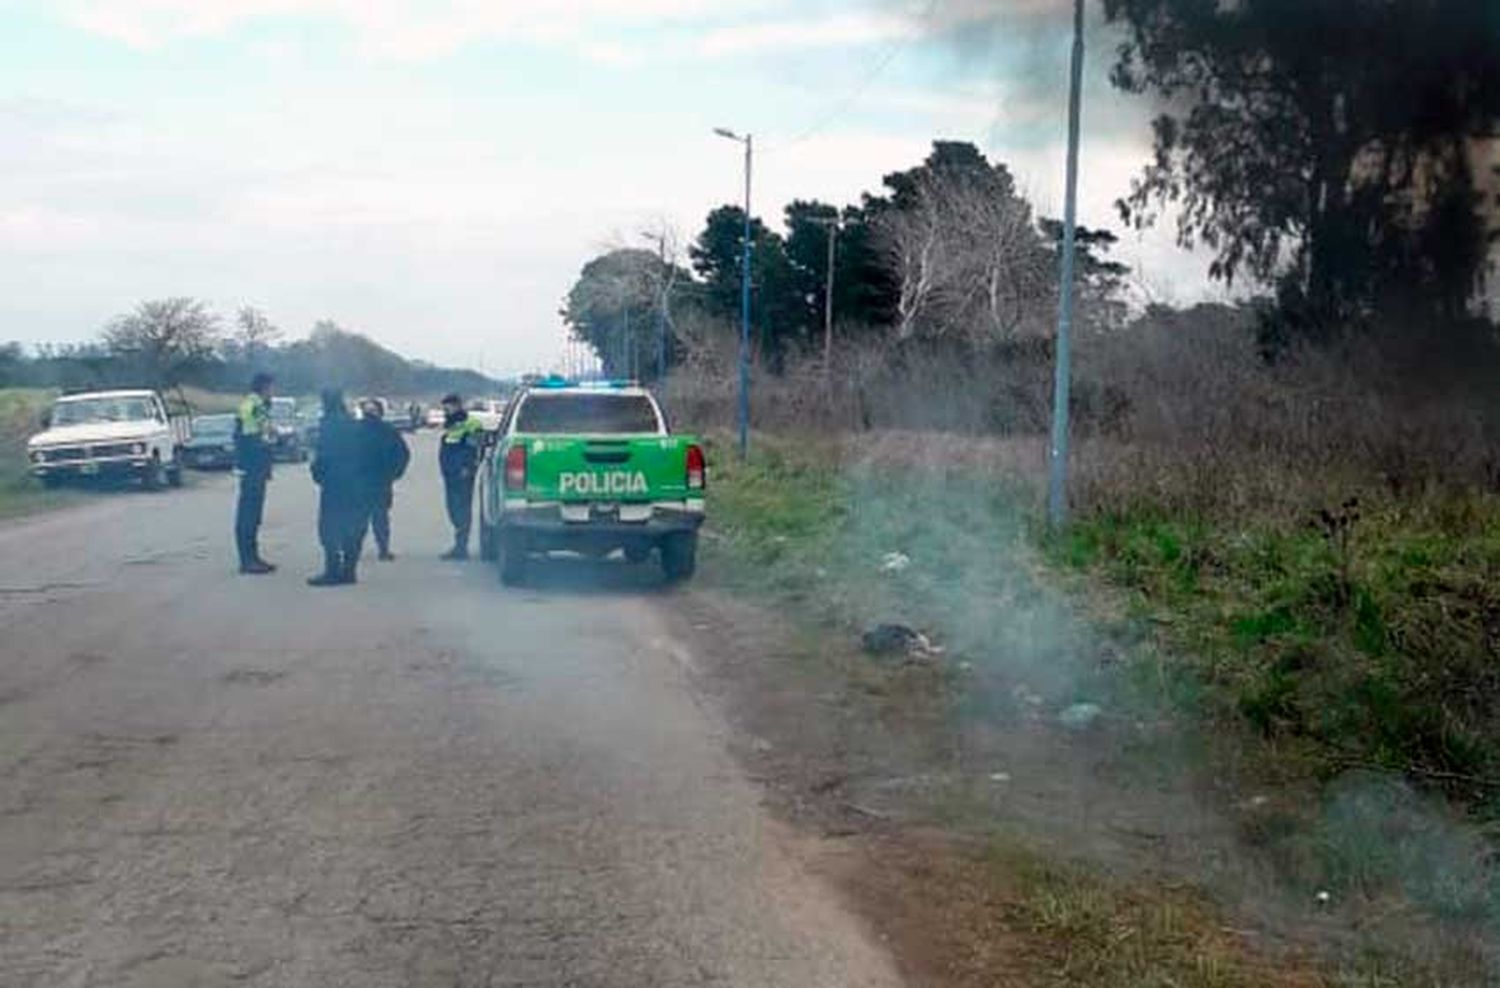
{"x": 489, "y": 546}
{"x": 174, "y": 472}
{"x": 153, "y": 478}
{"x": 679, "y": 556}
{"x": 512, "y": 559}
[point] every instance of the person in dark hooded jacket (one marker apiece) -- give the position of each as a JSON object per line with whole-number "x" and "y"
{"x": 339, "y": 468}
{"x": 386, "y": 459}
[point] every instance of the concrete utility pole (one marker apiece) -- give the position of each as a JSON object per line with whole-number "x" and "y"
{"x": 1057, "y": 480}
{"x": 832, "y": 225}
{"x": 749, "y": 143}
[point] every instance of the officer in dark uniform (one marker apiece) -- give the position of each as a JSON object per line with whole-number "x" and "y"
{"x": 458, "y": 459}
{"x": 387, "y": 459}
{"x": 253, "y": 438}
{"x": 339, "y": 469}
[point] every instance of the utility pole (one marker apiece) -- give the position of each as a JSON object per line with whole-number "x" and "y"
{"x": 1057, "y": 479}
{"x": 744, "y": 423}
{"x": 832, "y": 226}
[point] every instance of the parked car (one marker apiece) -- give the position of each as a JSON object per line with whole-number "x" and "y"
{"x": 211, "y": 445}
{"x": 291, "y": 431}
{"x": 126, "y": 434}
{"x": 435, "y": 417}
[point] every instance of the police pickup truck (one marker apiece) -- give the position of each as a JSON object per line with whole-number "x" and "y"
{"x": 110, "y": 435}
{"x": 590, "y": 468}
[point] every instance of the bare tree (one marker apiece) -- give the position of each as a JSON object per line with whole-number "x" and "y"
{"x": 253, "y": 332}
{"x": 164, "y": 336}
{"x": 967, "y": 257}
{"x": 911, "y": 239}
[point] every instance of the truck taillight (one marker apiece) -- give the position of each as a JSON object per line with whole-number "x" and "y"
{"x": 515, "y": 468}
{"x": 697, "y": 471}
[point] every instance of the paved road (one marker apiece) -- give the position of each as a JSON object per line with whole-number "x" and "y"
{"x": 424, "y": 780}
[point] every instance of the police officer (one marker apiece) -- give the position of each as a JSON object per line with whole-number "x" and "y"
{"x": 386, "y": 458}
{"x": 458, "y": 459}
{"x": 339, "y": 469}
{"x": 253, "y": 438}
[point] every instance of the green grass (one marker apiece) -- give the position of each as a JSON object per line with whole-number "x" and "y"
{"x": 1298, "y": 656}
{"x": 20, "y": 409}
{"x": 1384, "y": 652}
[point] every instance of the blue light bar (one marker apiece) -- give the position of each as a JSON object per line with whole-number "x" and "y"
{"x": 558, "y": 381}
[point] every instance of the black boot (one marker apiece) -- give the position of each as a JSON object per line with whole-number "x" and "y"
{"x": 333, "y": 572}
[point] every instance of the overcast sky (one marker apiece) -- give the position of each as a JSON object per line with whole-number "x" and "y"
{"x": 435, "y": 172}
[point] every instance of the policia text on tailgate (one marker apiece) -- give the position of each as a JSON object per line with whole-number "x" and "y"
{"x": 590, "y": 468}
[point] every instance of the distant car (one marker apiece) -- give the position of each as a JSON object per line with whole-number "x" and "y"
{"x": 436, "y": 418}
{"x": 211, "y": 446}
{"x": 488, "y": 412}
{"x": 291, "y": 431}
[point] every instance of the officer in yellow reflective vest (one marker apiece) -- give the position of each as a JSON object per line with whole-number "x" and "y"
{"x": 458, "y": 459}
{"x": 253, "y": 438}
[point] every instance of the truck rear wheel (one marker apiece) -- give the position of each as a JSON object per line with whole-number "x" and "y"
{"x": 512, "y": 559}
{"x": 679, "y": 556}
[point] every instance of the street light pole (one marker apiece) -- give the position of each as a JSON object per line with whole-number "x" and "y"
{"x": 744, "y": 416}
{"x": 1057, "y": 480}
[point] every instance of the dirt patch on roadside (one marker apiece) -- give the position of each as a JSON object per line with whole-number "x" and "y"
{"x": 984, "y": 853}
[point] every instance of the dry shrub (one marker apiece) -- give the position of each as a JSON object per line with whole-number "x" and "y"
{"x": 1179, "y": 409}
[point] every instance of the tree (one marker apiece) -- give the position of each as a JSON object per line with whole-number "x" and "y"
{"x": 613, "y": 308}
{"x": 254, "y": 333}
{"x": 967, "y": 258}
{"x": 1319, "y": 145}
{"x": 716, "y": 257}
{"x": 163, "y": 338}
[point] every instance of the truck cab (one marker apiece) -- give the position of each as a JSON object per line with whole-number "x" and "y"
{"x": 590, "y": 468}
{"x": 96, "y": 435}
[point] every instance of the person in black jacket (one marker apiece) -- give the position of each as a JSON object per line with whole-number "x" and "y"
{"x": 458, "y": 459}
{"x": 339, "y": 469}
{"x": 386, "y": 461}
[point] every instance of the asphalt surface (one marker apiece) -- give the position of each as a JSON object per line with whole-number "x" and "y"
{"x": 423, "y": 780}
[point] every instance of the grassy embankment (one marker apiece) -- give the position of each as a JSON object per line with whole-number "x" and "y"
{"x": 1292, "y": 644}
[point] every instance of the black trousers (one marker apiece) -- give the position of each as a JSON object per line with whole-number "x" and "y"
{"x": 380, "y": 524}
{"x": 248, "y": 514}
{"x": 341, "y": 530}
{"x": 459, "y": 493}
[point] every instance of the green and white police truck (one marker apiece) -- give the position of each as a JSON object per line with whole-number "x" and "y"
{"x": 590, "y": 468}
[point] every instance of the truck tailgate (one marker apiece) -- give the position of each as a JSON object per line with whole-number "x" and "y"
{"x": 606, "y": 468}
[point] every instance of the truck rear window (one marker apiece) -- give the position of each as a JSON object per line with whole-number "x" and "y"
{"x": 550, "y": 414}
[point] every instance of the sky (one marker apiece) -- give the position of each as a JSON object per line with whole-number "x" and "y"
{"x": 434, "y": 173}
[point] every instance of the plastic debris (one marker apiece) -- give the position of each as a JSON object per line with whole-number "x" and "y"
{"x": 1079, "y": 716}
{"x": 999, "y": 776}
{"x": 894, "y": 562}
{"x": 898, "y": 639}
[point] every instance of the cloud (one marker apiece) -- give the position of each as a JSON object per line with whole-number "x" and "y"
{"x": 403, "y": 29}
{"x": 836, "y": 30}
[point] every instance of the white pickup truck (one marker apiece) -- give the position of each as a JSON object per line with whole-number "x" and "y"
{"x": 121, "y": 435}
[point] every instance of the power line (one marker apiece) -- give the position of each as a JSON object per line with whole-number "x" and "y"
{"x": 842, "y": 106}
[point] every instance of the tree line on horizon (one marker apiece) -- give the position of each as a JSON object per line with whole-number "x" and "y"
{"x": 176, "y": 341}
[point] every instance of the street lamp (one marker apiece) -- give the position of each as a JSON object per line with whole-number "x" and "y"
{"x": 1057, "y": 480}
{"x": 749, "y": 143}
